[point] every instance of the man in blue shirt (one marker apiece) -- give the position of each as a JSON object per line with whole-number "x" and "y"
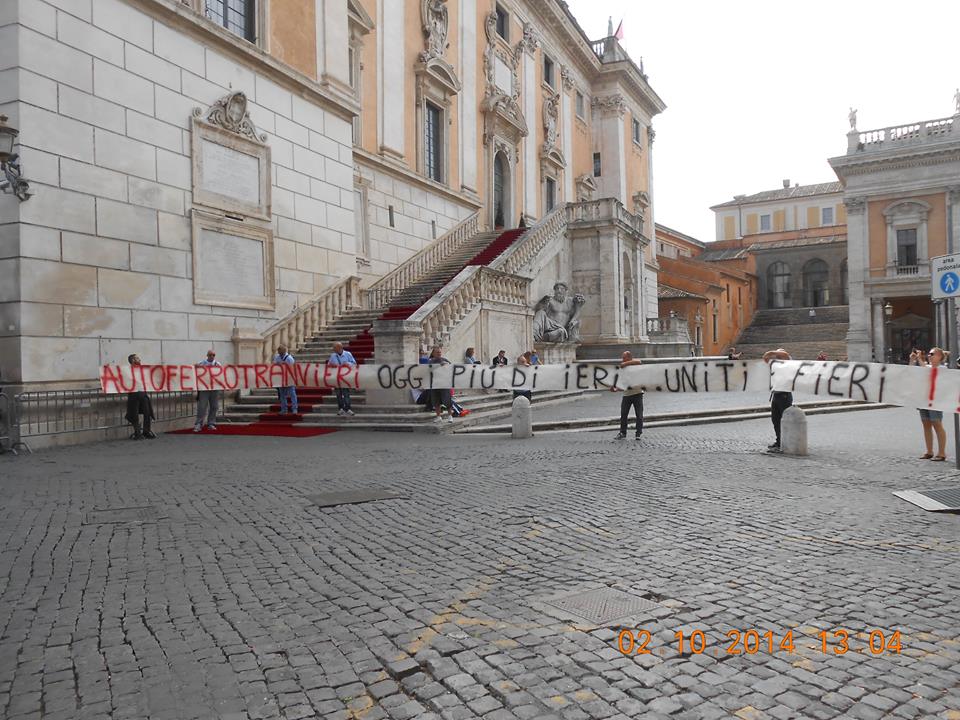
{"x": 287, "y": 394}
{"x": 339, "y": 356}
{"x": 208, "y": 401}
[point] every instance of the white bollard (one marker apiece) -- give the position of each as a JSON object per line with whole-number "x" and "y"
{"x": 793, "y": 428}
{"x": 521, "y": 418}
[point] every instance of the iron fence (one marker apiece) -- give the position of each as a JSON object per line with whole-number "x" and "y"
{"x": 55, "y": 412}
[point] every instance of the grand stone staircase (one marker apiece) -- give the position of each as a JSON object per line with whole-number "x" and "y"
{"x": 352, "y": 325}
{"x": 793, "y": 329}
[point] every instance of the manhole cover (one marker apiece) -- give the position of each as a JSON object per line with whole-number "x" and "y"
{"x": 353, "y": 497}
{"x": 944, "y": 499}
{"x": 602, "y": 605}
{"x": 120, "y": 515}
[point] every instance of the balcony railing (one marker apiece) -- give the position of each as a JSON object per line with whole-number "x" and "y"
{"x": 896, "y": 136}
{"x": 908, "y": 270}
{"x": 674, "y": 323}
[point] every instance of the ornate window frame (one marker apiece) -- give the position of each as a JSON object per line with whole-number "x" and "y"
{"x": 261, "y": 19}
{"x": 907, "y": 214}
{"x": 436, "y": 83}
{"x": 360, "y": 24}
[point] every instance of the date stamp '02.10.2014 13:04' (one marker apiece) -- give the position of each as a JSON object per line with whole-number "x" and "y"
{"x": 752, "y": 642}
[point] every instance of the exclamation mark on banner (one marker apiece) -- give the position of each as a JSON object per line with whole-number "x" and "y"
{"x": 933, "y": 385}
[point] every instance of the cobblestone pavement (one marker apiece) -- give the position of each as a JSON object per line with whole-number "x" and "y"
{"x": 239, "y": 598}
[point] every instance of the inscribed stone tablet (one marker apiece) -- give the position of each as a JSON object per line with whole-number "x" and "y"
{"x": 229, "y": 172}
{"x": 503, "y": 75}
{"x": 231, "y": 265}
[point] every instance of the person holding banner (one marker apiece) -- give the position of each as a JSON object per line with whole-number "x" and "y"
{"x": 138, "y": 403}
{"x": 288, "y": 394}
{"x": 779, "y": 401}
{"x": 440, "y": 398}
{"x": 931, "y": 420}
{"x": 338, "y": 357}
{"x": 634, "y": 401}
{"x": 208, "y": 401}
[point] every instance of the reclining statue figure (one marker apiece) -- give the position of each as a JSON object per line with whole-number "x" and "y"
{"x": 555, "y": 317}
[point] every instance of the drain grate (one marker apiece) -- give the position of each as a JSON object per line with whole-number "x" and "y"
{"x": 941, "y": 500}
{"x": 109, "y": 516}
{"x": 353, "y": 497}
{"x": 602, "y": 605}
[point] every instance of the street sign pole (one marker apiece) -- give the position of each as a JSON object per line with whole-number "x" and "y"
{"x": 945, "y": 285}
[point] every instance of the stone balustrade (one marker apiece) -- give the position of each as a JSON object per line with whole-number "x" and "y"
{"x": 888, "y": 138}
{"x": 672, "y": 324}
{"x": 604, "y": 210}
{"x": 419, "y": 265}
{"x": 532, "y": 242}
{"x": 472, "y": 286}
{"x": 308, "y": 319}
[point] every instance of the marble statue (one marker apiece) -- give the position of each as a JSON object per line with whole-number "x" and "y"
{"x": 956, "y": 101}
{"x": 852, "y": 117}
{"x": 555, "y": 317}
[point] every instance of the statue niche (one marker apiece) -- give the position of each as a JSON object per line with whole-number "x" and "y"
{"x": 556, "y": 317}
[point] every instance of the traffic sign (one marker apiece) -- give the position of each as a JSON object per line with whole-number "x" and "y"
{"x": 945, "y": 276}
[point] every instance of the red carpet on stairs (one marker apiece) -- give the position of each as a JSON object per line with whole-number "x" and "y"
{"x": 271, "y": 429}
{"x": 494, "y": 249}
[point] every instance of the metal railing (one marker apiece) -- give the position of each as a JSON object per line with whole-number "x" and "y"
{"x": 57, "y": 412}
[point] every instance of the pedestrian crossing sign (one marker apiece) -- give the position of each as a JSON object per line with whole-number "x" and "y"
{"x": 945, "y": 276}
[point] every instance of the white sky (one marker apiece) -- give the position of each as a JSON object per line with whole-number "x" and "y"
{"x": 758, "y": 91}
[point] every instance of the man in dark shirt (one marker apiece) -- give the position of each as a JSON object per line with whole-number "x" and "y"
{"x": 138, "y": 403}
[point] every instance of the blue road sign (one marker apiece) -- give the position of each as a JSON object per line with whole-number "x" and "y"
{"x": 949, "y": 282}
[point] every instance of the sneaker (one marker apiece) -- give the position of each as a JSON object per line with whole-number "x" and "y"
{"x": 449, "y": 418}
{"x": 773, "y": 446}
{"x": 437, "y": 419}
{"x": 197, "y": 427}
{"x": 137, "y": 436}
{"x": 149, "y": 435}
{"x": 351, "y": 413}
{"x": 638, "y": 436}
{"x": 341, "y": 412}
{"x": 621, "y": 436}
{"x": 211, "y": 427}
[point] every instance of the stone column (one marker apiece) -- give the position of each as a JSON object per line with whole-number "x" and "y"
{"x": 611, "y": 285}
{"x": 567, "y": 110}
{"x": 879, "y": 330}
{"x": 650, "y": 230}
{"x": 859, "y": 345}
{"x": 332, "y": 39}
{"x": 391, "y": 70}
{"x": 396, "y": 342}
{"x": 531, "y": 176}
{"x": 467, "y": 101}
{"x": 609, "y": 136}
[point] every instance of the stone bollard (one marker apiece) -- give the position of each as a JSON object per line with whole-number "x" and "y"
{"x": 793, "y": 428}
{"x": 521, "y": 418}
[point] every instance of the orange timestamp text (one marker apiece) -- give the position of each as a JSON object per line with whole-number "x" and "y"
{"x": 752, "y": 642}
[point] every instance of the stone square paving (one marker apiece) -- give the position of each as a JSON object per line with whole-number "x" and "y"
{"x": 218, "y": 590}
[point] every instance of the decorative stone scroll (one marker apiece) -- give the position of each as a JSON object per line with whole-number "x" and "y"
{"x": 230, "y": 159}
{"x": 610, "y": 104}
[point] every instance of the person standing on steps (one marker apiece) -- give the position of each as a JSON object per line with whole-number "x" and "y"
{"x": 779, "y": 401}
{"x": 440, "y": 398}
{"x": 634, "y": 400}
{"x": 338, "y": 357}
{"x": 139, "y": 403}
{"x": 288, "y": 393}
{"x": 208, "y": 401}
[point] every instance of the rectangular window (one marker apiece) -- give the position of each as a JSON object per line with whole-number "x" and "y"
{"x": 548, "y": 74}
{"x": 826, "y": 216}
{"x": 503, "y": 23}
{"x": 596, "y": 164}
{"x": 237, "y": 16}
{"x": 764, "y": 223}
{"x": 432, "y": 142}
{"x": 390, "y": 215}
{"x": 907, "y": 247}
{"x": 636, "y": 131}
{"x": 580, "y": 105}
{"x": 739, "y": 297}
{"x": 360, "y": 223}
{"x": 550, "y": 194}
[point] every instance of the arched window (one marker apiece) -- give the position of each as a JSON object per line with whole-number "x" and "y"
{"x": 778, "y": 285}
{"x": 816, "y": 292}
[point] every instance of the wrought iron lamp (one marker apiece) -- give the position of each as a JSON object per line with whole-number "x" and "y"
{"x": 14, "y": 182}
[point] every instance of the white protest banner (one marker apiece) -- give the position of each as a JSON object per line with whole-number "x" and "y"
{"x": 924, "y": 387}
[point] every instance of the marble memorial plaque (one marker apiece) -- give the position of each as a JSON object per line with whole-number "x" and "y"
{"x": 503, "y": 75}
{"x": 230, "y": 264}
{"x": 230, "y": 173}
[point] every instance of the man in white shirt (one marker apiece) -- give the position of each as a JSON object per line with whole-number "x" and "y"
{"x": 338, "y": 357}
{"x": 288, "y": 394}
{"x": 208, "y": 401}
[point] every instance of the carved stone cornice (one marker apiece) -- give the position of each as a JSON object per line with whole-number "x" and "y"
{"x": 609, "y": 104}
{"x": 855, "y": 205}
{"x": 230, "y": 113}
